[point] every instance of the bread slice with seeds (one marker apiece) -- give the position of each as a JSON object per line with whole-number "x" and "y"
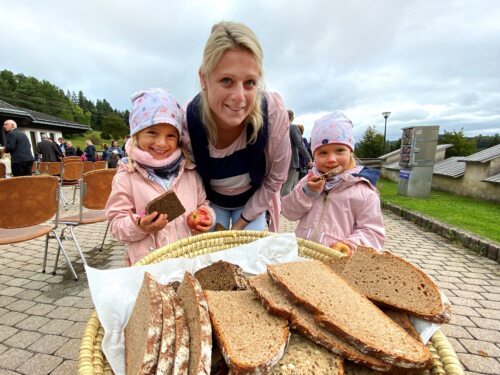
{"x": 221, "y": 275}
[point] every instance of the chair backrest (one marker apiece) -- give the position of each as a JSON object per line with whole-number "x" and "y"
{"x": 72, "y": 171}
{"x": 28, "y": 200}
{"x": 101, "y": 164}
{"x": 68, "y": 159}
{"x": 3, "y": 170}
{"x": 53, "y": 168}
{"x": 88, "y": 166}
{"x": 97, "y": 188}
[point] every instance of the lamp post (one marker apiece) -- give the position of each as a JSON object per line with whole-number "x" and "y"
{"x": 385, "y": 114}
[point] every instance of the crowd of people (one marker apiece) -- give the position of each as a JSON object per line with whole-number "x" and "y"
{"x": 233, "y": 153}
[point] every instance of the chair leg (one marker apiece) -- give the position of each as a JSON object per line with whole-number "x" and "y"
{"x": 61, "y": 247}
{"x": 45, "y": 252}
{"x": 71, "y": 228}
{"x": 74, "y": 193}
{"x": 105, "y": 234}
{"x": 63, "y": 200}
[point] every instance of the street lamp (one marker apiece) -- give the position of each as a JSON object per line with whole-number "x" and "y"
{"x": 385, "y": 114}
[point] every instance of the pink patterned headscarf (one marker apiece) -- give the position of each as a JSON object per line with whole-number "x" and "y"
{"x": 332, "y": 128}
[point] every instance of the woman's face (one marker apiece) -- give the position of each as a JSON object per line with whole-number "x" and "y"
{"x": 160, "y": 140}
{"x": 331, "y": 156}
{"x": 231, "y": 88}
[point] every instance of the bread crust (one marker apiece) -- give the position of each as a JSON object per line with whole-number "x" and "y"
{"x": 181, "y": 359}
{"x": 167, "y": 348}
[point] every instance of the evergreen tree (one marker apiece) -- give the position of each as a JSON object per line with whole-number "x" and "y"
{"x": 371, "y": 144}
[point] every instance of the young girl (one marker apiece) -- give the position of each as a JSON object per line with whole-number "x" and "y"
{"x": 154, "y": 165}
{"x": 342, "y": 211}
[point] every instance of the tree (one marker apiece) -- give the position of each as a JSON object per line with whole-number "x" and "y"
{"x": 114, "y": 125}
{"x": 461, "y": 145}
{"x": 371, "y": 144}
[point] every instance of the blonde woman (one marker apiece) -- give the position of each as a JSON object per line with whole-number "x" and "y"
{"x": 237, "y": 132}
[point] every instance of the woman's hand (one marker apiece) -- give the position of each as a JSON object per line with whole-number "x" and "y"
{"x": 342, "y": 247}
{"x": 200, "y": 220}
{"x": 239, "y": 225}
{"x": 316, "y": 186}
{"x": 153, "y": 222}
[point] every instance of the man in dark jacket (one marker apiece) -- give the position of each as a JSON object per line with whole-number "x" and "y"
{"x": 49, "y": 150}
{"x": 19, "y": 148}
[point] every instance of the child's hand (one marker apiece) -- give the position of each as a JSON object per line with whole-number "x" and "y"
{"x": 153, "y": 222}
{"x": 316, "y": 186}
{"x": 342, "y": 247}
{"x": 200, "y": 220}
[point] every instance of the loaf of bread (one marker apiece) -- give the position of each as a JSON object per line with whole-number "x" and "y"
{"x": 144, "y": 329}
{"x": 275, "y": 300}
{"x": 304, "y": 357}
{"x": 200, "y": 330}
{"x": 167, "y": 346}
{"x": 251, "y": 340}
{"x": 221, "y": 275}
{"x": 347, "y": 313}
{"x": 389, "y": 280}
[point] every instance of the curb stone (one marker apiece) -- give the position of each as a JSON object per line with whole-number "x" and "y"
{"x": 480, "y": 245}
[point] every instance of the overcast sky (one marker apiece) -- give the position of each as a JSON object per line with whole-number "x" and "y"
{"x": 428, "y": 62}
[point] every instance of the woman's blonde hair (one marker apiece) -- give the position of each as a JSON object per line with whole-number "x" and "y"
{"x": 223, "y": 37}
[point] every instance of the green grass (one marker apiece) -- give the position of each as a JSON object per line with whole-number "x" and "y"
{"x": 79, "y": 139}
{"x": 473, "y": 215}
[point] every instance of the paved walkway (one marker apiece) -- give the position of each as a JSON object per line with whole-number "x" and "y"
{"x": 42, "y": 316}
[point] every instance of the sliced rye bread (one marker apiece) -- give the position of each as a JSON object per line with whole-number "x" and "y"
{"x": 337, "y": 263}
{"x": 304, "y": 357}
{"x": 167, "y": 346}
{"x": 167, "y": 203}
{"x": 181, "y": 348}
{"x": 389, "y": 280}
{"x": 200, "y": 330}
{"x": 221, "y": 275}
{"x": 144, "y": 329}
{"x": 347, "y": 313}
{"x": 276, "y": 301}
{"x": 251, "y": 340}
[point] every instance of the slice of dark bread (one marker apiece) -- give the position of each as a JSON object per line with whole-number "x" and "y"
{"x": 221, "y": 275}
{"x": 167, "y": 203}
{"x": 275, "y": 300}
{"x": 347, "y": 313}
{"x": 200, "y": 330}
{"x": 167, "y": 346}
{"x": 389, "y": 280}
{"x": 144, "y": 329}
{"x": 304, "y": 357}
{"x": 251, "y": 340}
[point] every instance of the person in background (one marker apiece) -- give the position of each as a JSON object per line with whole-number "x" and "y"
{"x": 124, "y": 152}
{"x": 89, "y": 151}
{"x": 106, "y": 152}
{"x": 114, "y": 159}
{"x": 19, "y": 148}
{"x": 342, "y": 211}
{"x": 70, "y": 150}
{"x": 115, "y": 147}
{"x": 155, "y": 164}
{"x": 297, "y": 147}
{"x": 62, "y": 145}
{"x": 303, "y": 165}
{"x": 49, "y": 151}
{"x": 237, "y": 132}
{"x": 79, "y": 151}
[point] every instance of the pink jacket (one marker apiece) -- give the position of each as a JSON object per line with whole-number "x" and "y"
{"x": 132, "y": 191}
{"x": 350, "y": 213}
{"x": 278, "y": 154}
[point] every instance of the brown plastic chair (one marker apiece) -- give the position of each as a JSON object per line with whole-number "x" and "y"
{"x": 3, "y": 170}
{"x": 88, "y": 166}
{"x": 95, "y": 189}
{"x": 101, "y": 164}
{"x": 53, "y": 168}
{"x": 71, "y": 176}
{"x": 69, "y": 159}
{"x": 26, "y": 204}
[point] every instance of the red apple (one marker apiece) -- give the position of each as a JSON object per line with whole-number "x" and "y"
{"x": 195, "y": 218}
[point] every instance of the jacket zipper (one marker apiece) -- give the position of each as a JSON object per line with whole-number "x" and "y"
{"x": 316, "y": 233}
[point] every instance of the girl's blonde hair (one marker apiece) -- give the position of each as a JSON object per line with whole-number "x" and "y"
{"x": 223, "y": 37}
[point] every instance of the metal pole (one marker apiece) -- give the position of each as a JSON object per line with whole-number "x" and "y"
{"x": 385, "y": 114}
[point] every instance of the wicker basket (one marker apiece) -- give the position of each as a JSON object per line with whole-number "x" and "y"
{"x": 93, "y": 362}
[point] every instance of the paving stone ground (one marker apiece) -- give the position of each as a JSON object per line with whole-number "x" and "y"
{"x": 42, "y": 316}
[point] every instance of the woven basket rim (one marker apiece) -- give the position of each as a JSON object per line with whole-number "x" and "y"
{"x": 92, "y": 360}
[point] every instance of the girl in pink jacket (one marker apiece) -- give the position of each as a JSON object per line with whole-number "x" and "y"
{"x": 155, "y": 164}
{"x": 343, "y": 210}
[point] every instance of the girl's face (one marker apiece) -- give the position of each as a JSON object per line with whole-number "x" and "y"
{"x": 160, "y": 140}
{"x": 331, "y": 156}
{"x": 231, "y": 88}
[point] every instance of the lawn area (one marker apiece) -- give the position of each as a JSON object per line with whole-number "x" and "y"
{"x": 473, "y": 215}
{"x": 79, "y": 139}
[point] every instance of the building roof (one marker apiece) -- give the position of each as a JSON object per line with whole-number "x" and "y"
{"x": 451, "y": 167}
{"x": 39, "y": 117}
{"x": 395, "y": 152}
{"x": 495, "y": 178}
{"x": 484, "y": 156}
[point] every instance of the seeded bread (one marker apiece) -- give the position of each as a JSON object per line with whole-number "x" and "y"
{"x": 200, "y": 330}
{"x": 391, "y": 281}
{"x": 144, "y": 329}
{"x": 167, "y": 346}
{"x": 251, "y": 340}
{"x": 347, "y": 313}
{"x": 306, "y": 358}
{"x": 181, "y": 359}
{"x": 275, "y": 300}
{"x": 221, "y": 275}
{"x": 167, "y": 203}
